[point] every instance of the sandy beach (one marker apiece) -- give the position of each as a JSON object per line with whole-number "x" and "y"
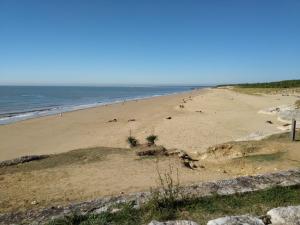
{"x": 209, "y": 117}
{"x": 104, "y": 165}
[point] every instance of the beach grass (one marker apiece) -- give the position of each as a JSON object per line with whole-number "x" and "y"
{"x": 199, "y": 210}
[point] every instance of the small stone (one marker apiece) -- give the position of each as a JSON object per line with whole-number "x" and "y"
{"x": 34, "y": 202}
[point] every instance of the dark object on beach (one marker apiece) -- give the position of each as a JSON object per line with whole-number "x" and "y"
{"x": 168, "y": 118}
{"x": 181, "y": 106}
{"x": 114, "y": 120}
{"x": 22, "y": 159}
{"x": 293, "y": 130}
{"x": 151, "y": 139}
{"x": 132, "y": 141}
{"x": 189, "y": 164}
{"x": 199, "y": 111}
{"x": 152, "y": 151}
{"x": 269, "y": 121}
{"x": 183, "y": 155}
{"x": 131, "y": 120}
{"x": 286, "y": 124}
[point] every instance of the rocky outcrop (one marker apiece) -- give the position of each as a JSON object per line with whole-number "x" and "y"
{"x": 22, "y": 159}
{"x": 285, "y": 215}
{"x": 236, "y": 220}
{"x": 223, "y": 187}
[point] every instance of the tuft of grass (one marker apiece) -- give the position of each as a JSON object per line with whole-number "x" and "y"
{"x": 151, "y": 139}
{"x": 163, "y": 202}
{"x": 132, "y": 141}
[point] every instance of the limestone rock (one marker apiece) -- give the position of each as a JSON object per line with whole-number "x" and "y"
{"x": 236, "y": 220}
{"x": 285, "y": 215}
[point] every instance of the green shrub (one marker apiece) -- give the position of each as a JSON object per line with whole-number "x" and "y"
{"x": 132, "y": 141}
{"x": 151, "y": 139}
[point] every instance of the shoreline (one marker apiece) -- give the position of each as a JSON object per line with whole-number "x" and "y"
{"x": 15, "y": 117}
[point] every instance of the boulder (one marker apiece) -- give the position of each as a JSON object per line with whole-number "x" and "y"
{"x": 285, "y": 215}
{"x": 236, "y": 220}
{"x": 175, "y": 222}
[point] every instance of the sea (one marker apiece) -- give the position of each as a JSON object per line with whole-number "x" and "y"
{"x": 25, "y": 102}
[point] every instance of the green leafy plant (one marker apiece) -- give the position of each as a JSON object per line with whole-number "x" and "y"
{"x": 151, "y": 139}
{"x": 132, "y": 141}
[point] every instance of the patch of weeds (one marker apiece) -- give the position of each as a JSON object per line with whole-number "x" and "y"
{"x": 167, "y": 199}
{"x": 126, "y": 216}
{"x": 200, "y": 210}
{"x": 265, "y": 157}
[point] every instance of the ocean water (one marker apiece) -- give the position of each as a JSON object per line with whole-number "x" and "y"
{"x": 24, "y": 102}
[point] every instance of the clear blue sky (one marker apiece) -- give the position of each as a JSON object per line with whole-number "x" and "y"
{"x": 148, "y": 42}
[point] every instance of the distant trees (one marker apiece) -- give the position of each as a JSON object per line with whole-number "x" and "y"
{"x": 276, "y": 84}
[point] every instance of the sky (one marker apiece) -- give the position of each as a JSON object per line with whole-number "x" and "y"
{"x": 148, "y": 41}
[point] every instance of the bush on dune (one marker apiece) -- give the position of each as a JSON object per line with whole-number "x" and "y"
{"x": 132, "y": 141}
{"x": 151, "y": 139}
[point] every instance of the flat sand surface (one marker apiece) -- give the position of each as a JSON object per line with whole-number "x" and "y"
{"x": 225, "y": 116}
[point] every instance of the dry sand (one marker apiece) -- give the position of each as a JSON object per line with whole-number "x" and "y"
{"x": 89, "y": 173}
{"x": 225, "y": 116}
